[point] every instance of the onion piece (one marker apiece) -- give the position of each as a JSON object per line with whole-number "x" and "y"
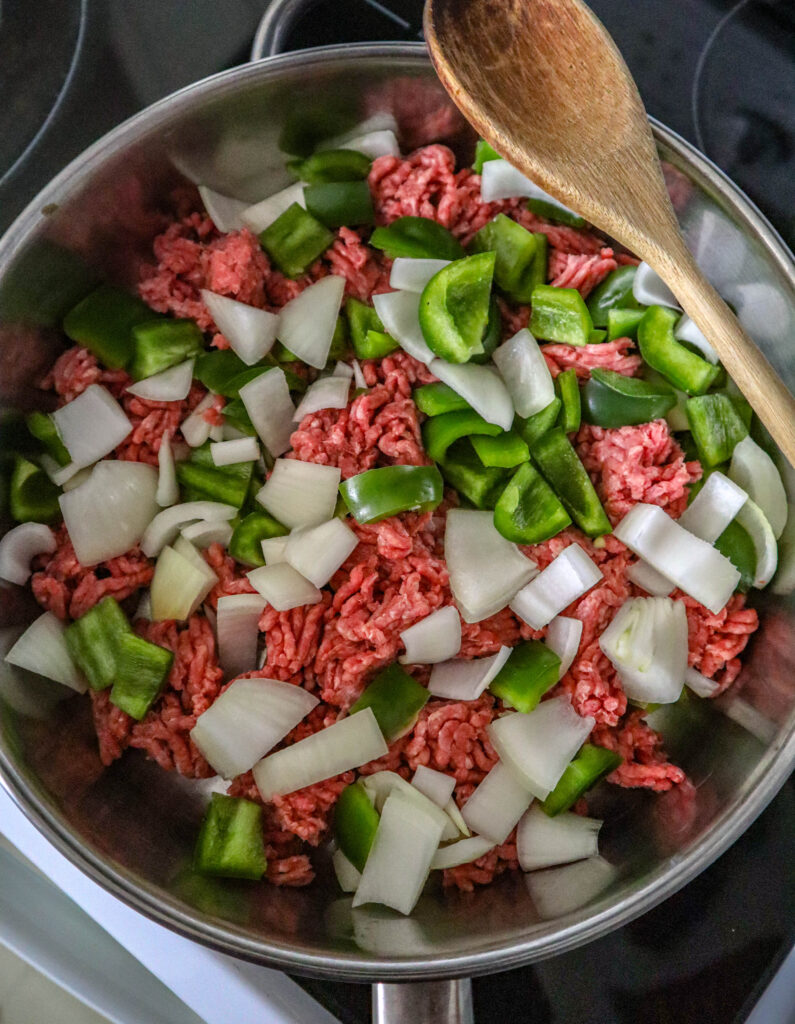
{"x": 358, "y": 377}
{"x": 501, "y": 180}
{"x": 399, "y": 313}
{"x": 342, "y": 370}
{"x": 348, "y": 877}
{"x": 171, "y": 385}
{"x": 318, "y": 551}
{"x": 195, "y": 428}
{"x": 378, "y": 122}
{"x": 649, "y": 289}
{"x": 165, "y": 526}
{"x": 300, "y": 493}
{"x": 466, "y": 680}
{"x": 347, "y": 744}
{"x": 230, "y": 453}
{"x": 91, "y": 425}
{"x": 307, "y": 322}
{"x": 42, "y": 649}
{"x": 262, "y": 214}
{"x": 435, "y": 638}
{"x": 486, "y": 570}
{"x": 249, "y": 718}
{"x": 270, "y": 409}
{"x": 701, "y": 685}
{"x": 400, "y": 858}
{"x": 525, "y": 372}
{"x": 563, "y": 637}
{"x": 538, "y": 746}
{"x": 559, "y": 891}
{"x": 282, "y": 587}
{"x": 144, "y": 609}
{"x": 372, "y": 144}
{"x": 480, "y": 386}
{"x": 326, "y": 393}
{"x": 453, "y": 812}
{"x": 380, "y": 785}
{"x": 203, "y": 534}
{"x": 686, "y": 330}
{"x": 167, "y": 487}
{"x": 715, "y": 505}
{"x": 568, "y": 576}
{"x": 544, "y": 842}
{"x": 250, "y": 332}
{"x": 464, "y": 851}
{"x": 237, "y": 628}
{"x": 754, "y": 471}
{"x": 647, "y": 643}
{"x": 648, "y": 579}
{"x": 63, "y": 475}
{"x": 437, "y": 786}
{"x": 689, "y": 562}
{"x": 496, "y": 805}
{"x": 179, "y": 585}
{"x": 411, "y": 275}
{"x": 274, "y": 549}
{"x": 754, "y": 520}
{"x": 20, "y": 546}
{"x": 108, "y": 514}
{"x": 222, "y": 210}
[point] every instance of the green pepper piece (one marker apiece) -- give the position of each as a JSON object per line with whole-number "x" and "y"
{"x": 597, "y": 337}
{"x": 231, "y": 841}
{"x": 483, "y": 153}
{"x": 611, "y": 399}
{"x": 623, "y": 323}
{"x": 338, "y": 203}
{"x": 361, "y": 319}
{"x": 396, "y": 698}
{"x": 439, "y": 432}
{"x": 338, "y": 349}
{"x": 566, "y": 475}
{"x": 660, "y": 349}
{"x": 141, "y": 671}
{"x": 217, "y": 368}
{"x": 568, "y": 389}
{"x": 295, "y": 240}
{"x": 160, "y": 344}
{"x": 227, "y": 484}
{"x": 355, "y": 824}
{"x": 379, "y": 493}
{"x": 614, "y": 292}
{"x": 42, "y": 426}
{"x": 531, "y": 669}
{"x": 454, "y": 308}
{"x": 560, "y": 314}
{"x": 588, "y": 767}
{"x": 743, "y": 407}
{"x": 376, "y": 345}
{"x": 245, "y": 544}
{"x": 504, "y": 451}
{"x": 33, "y": 497}
{"x": 551, "y": 211}
{"x": 516, "y": 270}
{"x": 528, "y": 511}
{"x": 539, "y": 423}
{"x": 716, "y": 427}
{"x": 462, "y": 469}
{"x": 103, "y": 322}
{"x": 331, "y": 165}
{"x": 236, "y": 416}
{"x": 736, "y": 544}
{"x": 436, "y": 399}
{"x": 492, "y": 335}
{"x": 93, "y": 642}
{"x": 282, "y": 354}
{"x": 231, "y": 388}
{"x": 418, "y": 237}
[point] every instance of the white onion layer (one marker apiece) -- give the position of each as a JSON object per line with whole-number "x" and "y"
{"x": 374, "y": 144}
{"x": 167, "y": 487}
{"x": 559, "y": 891}
{"x": 754, "y": 471}
{"x": 250, "y": 332}
{"x": 326, "y": 393}
{"x": 282, "y": 587}
{"x": 307, "y": 322}
{"x": 179, "y": 585}
{"x": 714, "y": 507}
{"x": 300, "y": 493}
{"x": 525, "y": 372}
{"x": 649, "y": 289}
{"x": 171, "y": 385}
{"x": 195, "y": 428}
{"x": 411, "y": 275}
{"x": 274, "y": 549}
{"x": 568, "y": 576}
{"x": 563, "y": 637}
{"x": 437, "y": 786}
{"x": 262, "y": 214}
{"x": 379, "y": 785}
{"x": 237, "y": 628}
{"x": 203, "y": 534}
{"x": 544, "y": 842}
{"x": 686, "y": 330}
{"x": 700, "y": 684}
{"x": 224, "y": 211}
{"x": 501, "y": 180}
{"x": 479, "y": 385}
{"x": 20, "y": 546}
{"x": 42, "y": 649}
{"x": 270, "y": 409}
{"x": 399, "y": 313}
{"x": 462, "y": 852}
{"x": 358, "y": 376}
{"x": 91, "y": 425}
{"x": 230, "y": 453}
{"x": 753, "y": 519}
{"x": 165, "y": 526}
{"x": 435, "y": 638}
{"x": 644, "y": 576}
{"x": 466, "y": 680}
{"x": 348, "y": 877}
{"x": 497, "y": 803}
{"x": 318, "y": 551}
{"x": 647, "y": 643}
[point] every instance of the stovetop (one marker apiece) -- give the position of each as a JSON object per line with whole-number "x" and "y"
{"x": 720, "y": 74}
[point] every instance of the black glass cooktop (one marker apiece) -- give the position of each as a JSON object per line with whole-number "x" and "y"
{"x": 718, "y": 72}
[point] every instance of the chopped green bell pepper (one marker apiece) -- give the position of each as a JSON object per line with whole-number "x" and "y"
{"x": 103, "y": 322}
{"x": 531, "y": 428}
{"x": 377, "y": 344}
{"x": 483, "y": 153}
{"x": 660, "y": 349}
{"x": 531, "y": 669}
{"x": 436, "y": 399}
{"x": 141, "y": 671}
{"x": 236, "y": 416}
{"x": 480, "y": 485}
{"x": 528, "y": 511}
{"x": 735, "y": 543}
{"x": 395, "y": 698}
{"x": 355, "y": 824}
{"x": 249, "y": 532}
{"x": 517, "y": 268}
{"x": 295, "y": 240}
{"x": 338, "y": 203}
{"x": 623, "y": 323}
{"x": 504, "y": 451}
{"x": 597, "y": 337}
{"x": 201, "y": 479}
{"x": 160, "y": 344}
{"x": 92, "y": 642}
{"x": 439, "y": 432}
{"x": 611, "y": 399}
{"x": 329, "y": 165}
{"x": 588, "y": 767}
{"x": 418, "y": 237}
{"x": 454, "y": 308}
{"x": 379, "y": 493}
{"x": 231, "y": 841}
{"x": 559, "y": 463}
{"x": 43, "y": 427}
{"x": 551, "y": 211}
{"x": 614, "y": 292}
{"x": 492, "y": 335}
{"x": 362, "y": 319}
{"x": 716, "y": 427}
{"x": 560, "y": 314}
{"x": 33, "y": 497}
{"x": 217, "y": 368}
{"x": 568, "y": 389}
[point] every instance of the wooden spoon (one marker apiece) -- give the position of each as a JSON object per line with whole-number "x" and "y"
{"x": 545, "y": 85}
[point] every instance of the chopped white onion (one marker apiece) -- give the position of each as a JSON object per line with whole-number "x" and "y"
{"x": 282, "y": 587}
{"x": 399, "y": 313}
{"x": 525, "y": 372}
{"x": 453, "y": 812}
{"x": 348, "y": 877}
{"x": 754, "y": 471}
{"x": 217, "y": 432}
{"x": 648, "y": 579}
{"x": 326, "y": 393}
{"x": 144, "y": 609}
{"x": 167, "y": 487}
{"x": 342, "y": 370}
{"x": 249, "y": 718}
{"x": 497, "y": 803}
{"x": 195, "y": 428}
{"x": 379, "y": 785}
{"x": 307, "y": 322}
{"x": 380, "y": 121}
{"x": 230, "y": 453}
{"x": 464, "y": 851}
{"x": 338, "y": 748}
{"x": 649, "y": 289}
{"x": 501, "y": 180}
{"x": 171, "y": 385}
{"x": 481, "y": 386}
{"x": 165, "y": 526}
{"x": 435, "y": 638}
{"x": 714, "y": 507}
{"x": 568, "y": 576}
{"x": 544, "y": 842}
{"x": 687, "y": 331}
{"x": 222, "y": 210}
{"x": 700, "y": 684}
{"x": 358, "y": 376}
{"x": 689, "y": 562}
{"x": 91, "y": 425}
{"x": 20, "y": 546}
{"x": 250, "y": 332}
{"x": 274, "y": 549}
{"x": 538, "y": 746}
{"x": 676, "y": 417}
{"x": 300, "y": 493}
{"x": 647, "y": 643}
{"x": 42, "y": 649}
{"x": 237, "y": 627}
{"x": 67, "y": 476}
{"x": 318, "y": 551}
{"x": 203, "y": 534}
{"x": 563, "y": 637}
{"x": 486, "y": 570}
{"x": 466, "y": 680}
{"x": 400, "y": 858}
{"x": 270, "y": 409}
{"x": 179, "y": 585}
{"x": 435, "y": 785}
{"x": 373, "y": 144}
{"x": 411, "y": 275}
{"x": 108, "y": 514}
{"x": 754, "y": 520}
{"x": 559, "y": 891}
{"x": 262, "y": 214}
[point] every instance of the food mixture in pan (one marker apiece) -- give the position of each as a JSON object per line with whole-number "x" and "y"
{"x": 396, "y": 503}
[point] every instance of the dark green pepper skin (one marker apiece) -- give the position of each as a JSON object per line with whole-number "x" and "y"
{"x": 516, "y": 270}
{"x": 623, "y": 323}
{"x": 560, "y": 465}
{"x": 395, "y": 698}
{"x": 483, "y": 153}
{"x": 439, "y": 432}
{"x": 492, "y": 335}
{"x": 568, "y": 390}
{"x": 437, "y": 398}
{"x": 735, "y": 544}
{"x": 588, "y": 767}
{"x": 615, "y": 291}
{"x": 560, "y": 314}
{"x": 42, "y": 427}
{"x": 103, "y": 322}
{"x": 531, "y": 669}
{"x": 33, "y": 497}
{"x": 612, "y": 399}
{"x": 379, "y": 493}
{"x": 231, "y": 841}
{"x": 160, "y": 344}
{"x": 355, "y": 824}
{"x": 417, "y": 237}
{"x": 331, "y": 165}
{"x": 248, "y": 532}
{"x": 478, "y": 484}
{"x": 533, "y": 427}
{"x": 337, "y": 203}
{"x": 528, "y": 510}
{"x": 684, "y": 369}
{"x": 295, "y": 240}
{"x": 716, "y": 427}
{"x": 553, "y": 212}
{"x": 454, "y": 308}
{"x": 505, "y": 451}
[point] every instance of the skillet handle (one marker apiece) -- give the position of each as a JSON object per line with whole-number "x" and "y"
{"x": 423, "y": 1002}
